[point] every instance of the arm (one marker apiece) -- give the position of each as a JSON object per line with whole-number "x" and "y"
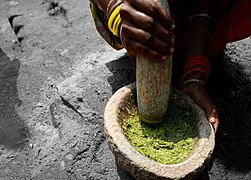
{"x": 146, "y": 27}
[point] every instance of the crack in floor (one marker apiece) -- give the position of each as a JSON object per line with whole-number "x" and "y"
{"x": 69, "y": 105}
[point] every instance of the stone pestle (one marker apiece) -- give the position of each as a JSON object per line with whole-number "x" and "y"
{"x": 153, "y": 81}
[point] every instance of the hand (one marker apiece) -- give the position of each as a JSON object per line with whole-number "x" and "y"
{"x": 146, "y": 29}
{"x": 198, "y": 93}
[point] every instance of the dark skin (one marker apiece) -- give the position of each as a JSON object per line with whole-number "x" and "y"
{"x": 147, "y": 30}
{"x": 143, "y": 34}
{"x": 198, "y": 92}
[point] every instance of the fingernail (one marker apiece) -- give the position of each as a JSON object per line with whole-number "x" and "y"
{"x": 172, "y": 40}
{"x": 172, "y": 27}
{"x": 171, "y": 50}
{"x": 212, "y": 120}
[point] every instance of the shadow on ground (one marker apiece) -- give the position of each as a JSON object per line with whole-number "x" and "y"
{"x": 122, "y": 73}
{"x": 230, "y": 87}
{"x": 13, "y": 132}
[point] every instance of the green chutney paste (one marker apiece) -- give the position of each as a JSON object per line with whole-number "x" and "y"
{"x": 168, "y": 142}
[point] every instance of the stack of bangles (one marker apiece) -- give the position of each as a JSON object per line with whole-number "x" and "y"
{"x": 114, "y": 21}
{"x": 195, "y": 63}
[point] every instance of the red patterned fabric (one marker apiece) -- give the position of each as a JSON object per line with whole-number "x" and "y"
{"x": 231, "y": 21}
{"x": 234, "y": 25}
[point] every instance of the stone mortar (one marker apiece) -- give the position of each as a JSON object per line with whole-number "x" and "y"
{"x": 141, "y": 167}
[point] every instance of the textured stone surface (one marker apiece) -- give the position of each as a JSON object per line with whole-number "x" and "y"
{"x": 153, "y": 81}
{"x": 141, "y": 167}
{"x": 51, "y": 96}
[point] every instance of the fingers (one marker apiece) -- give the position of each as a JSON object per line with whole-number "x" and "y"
{"x": 152, "y": 9}
{"x": 145, "y": 43}
{"x": 214, "y": 119}
{"x": 200, "y": 96}
{"x": 211, "y": 113}
{"x": 149, "y": 24}
{"x": 145, "y": 51}
{"x": 142, "y": 32}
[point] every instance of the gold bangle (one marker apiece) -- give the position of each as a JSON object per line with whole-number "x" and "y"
{"x": 114, "y": 20}
{"x": 110, "y": 21}
{"x": 117, "y": 27}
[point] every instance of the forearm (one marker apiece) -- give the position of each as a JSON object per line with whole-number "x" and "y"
{"x": 197, "y": 65}
{"x": 103, "y": 5}
{"x": 197, "y": 37}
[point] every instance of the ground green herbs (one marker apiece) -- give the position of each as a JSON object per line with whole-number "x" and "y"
{"x": 168, "y": 142}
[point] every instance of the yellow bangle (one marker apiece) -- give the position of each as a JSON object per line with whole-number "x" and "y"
{"x": 114, "y": 19}
{"x": 117, "y": 27}
{"x": 110, "y": 21}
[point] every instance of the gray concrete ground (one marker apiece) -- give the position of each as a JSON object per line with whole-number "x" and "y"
{"x": 54, "y": 86}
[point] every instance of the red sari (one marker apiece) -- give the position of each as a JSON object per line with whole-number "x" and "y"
{"x": 231, "y": 21}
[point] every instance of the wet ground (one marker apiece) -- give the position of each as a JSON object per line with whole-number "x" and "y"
{"x": 56, "y": 76}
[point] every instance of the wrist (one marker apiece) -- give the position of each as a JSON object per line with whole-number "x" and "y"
{"x": 197, "y": 67}
{"x": 114, "y": 19}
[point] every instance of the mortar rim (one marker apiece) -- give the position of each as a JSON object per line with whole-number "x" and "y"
{"x": 119, "y": 144}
